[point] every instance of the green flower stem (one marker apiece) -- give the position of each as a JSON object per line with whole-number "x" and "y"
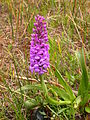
{"x": 49, "y": 99}
{"x": 44, "y": 87}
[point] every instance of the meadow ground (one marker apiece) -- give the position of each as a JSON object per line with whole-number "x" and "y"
{"x": 68, "y": 26}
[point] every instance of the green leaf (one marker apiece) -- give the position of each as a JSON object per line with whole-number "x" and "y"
{"x": 77, "y": 102}
{"x": 30, "y": 87}
{"x": 55, "y": 102}
{"x": 83, "y": 88}
{"x": 49, "y": 99}
{"x": 87, "y": 109}
{"x": 30, "y": 104}
{"x": 89, "y": 86}
{"x": 64, "y": 84}
{"x": 88, "y": 96}
{"x": 62, "y": 93}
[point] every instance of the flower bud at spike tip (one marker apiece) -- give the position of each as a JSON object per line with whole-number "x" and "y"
{"x": 39, "y": 56}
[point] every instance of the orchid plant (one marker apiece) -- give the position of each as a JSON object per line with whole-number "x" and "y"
{"x": 39, "y": 64}
{"x": 39, "y": 56}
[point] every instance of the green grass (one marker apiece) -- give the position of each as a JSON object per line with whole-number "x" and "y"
{"x": 68, "y": 25}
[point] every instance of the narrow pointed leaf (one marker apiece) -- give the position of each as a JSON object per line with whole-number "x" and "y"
{"x": 61, "y": 93}
{"x": 30, "y": 87}
{"x": 83, "y": 88}
{"x": 64, "y": 84}
{"x": 87, "y": 109}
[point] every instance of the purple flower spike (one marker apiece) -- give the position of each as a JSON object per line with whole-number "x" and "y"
{"x": 39, "y": 56}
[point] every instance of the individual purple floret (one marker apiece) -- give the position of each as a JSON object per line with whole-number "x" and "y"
{"x": 39, "y": 56}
